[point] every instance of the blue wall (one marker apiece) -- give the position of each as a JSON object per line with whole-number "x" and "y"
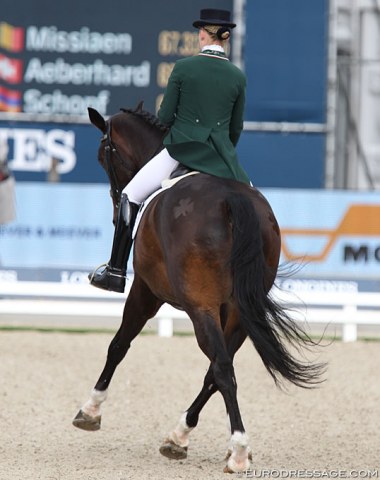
{"x": 280, "y": 160}
{"x": 286, "y": 67}
{"x": 286, "y": 60}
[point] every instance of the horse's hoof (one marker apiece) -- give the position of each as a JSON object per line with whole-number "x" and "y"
{"x": 85, "y": 422}
{"x": 170, "y": 450}
{"x": 237, "y": 467}
{"x": 227, "y": 469}
{"x": 229, "y": 453}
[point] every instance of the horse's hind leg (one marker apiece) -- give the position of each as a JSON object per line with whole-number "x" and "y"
{"x": 211, "y": 341}
{"x": 234, "y": 338}
{"x": 141, "y": 305}
{"x": 176, "y": 443}
{"x": 219, "y": 377}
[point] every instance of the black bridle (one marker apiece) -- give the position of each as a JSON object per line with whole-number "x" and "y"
{"x": 109, "y": 150}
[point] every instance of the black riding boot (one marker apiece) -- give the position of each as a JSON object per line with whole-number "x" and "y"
{"x": 113, "y": 276}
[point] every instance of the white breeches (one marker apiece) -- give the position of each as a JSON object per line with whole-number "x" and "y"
{"x": 149, "y": 178}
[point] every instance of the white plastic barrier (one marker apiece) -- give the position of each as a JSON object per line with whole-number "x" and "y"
{"x": 348, "y": 309}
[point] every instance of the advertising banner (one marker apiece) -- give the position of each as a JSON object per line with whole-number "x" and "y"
{"x": 59, "y": 229}
{"x": 329, "y": 238}
{"x": 330, "y": 235}
{"x": 58, "y": 152}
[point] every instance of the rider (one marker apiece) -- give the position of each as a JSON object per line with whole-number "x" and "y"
{"x": 203, "y": 105}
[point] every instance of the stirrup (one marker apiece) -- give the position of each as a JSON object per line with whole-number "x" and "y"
{"x": 110, "y": 271}
{"x": 90, "y": 276}
{"x": 108, "y": 279}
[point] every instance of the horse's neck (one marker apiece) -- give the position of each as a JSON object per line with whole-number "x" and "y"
{"x": 144, "y": 140}
{"x": 149, "y": 146}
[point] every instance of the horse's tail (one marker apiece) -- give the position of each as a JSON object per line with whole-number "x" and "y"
{"x": 264, "y": 320}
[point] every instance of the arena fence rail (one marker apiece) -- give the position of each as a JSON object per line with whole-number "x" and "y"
{"x": 346, "y": 310}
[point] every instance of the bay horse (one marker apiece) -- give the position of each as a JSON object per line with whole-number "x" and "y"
{"x": 211, "y": 247}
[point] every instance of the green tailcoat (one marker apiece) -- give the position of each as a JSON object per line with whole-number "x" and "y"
{"x": 204, "y": 105}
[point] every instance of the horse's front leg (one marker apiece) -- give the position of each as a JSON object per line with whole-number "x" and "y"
{"x": 141, "y": 305}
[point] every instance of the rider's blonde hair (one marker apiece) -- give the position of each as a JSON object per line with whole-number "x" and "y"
{"x": 218, "y": 33}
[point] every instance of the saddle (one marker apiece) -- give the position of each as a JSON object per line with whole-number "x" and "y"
{"x": 177, "y": 174}
{"x": 180, "y": 171}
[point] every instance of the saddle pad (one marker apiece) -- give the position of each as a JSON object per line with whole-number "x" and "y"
{"x": 165, "y": 184}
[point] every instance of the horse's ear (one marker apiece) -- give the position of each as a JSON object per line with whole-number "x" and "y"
{"x": 97, "y": 120}
{"x": 139, "y": 106}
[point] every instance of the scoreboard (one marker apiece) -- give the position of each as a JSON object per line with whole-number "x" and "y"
{"x": 60, "y": 58}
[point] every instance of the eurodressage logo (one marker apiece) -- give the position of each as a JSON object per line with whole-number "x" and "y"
{"x": 334, "y": 473}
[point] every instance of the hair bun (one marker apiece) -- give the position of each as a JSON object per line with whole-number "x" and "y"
{"x": 223, "y": 33}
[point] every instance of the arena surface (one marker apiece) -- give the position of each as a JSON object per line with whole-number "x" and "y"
{"x": 46, "y": 377}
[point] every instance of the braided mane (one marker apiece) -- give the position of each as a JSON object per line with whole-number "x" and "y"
{"x": 148, "y": 117}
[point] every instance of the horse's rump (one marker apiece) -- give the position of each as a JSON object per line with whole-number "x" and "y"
{"x": 194, "y": 226}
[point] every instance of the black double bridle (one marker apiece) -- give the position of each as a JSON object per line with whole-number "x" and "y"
{"x": 109, "y": 150}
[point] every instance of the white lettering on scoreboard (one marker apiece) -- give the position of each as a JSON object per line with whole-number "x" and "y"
{"x": 64, "y": 72}
{"x": 60, "y": 72}
{"x": 50, "y": 39}
{"x": 36, "y": 101}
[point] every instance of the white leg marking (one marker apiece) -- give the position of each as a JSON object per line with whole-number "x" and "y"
{"x": 180, "y": 435}
{"x": 228, "y": 424}
{"x": 92, "y": 406}
{"x": 238, "y": 446}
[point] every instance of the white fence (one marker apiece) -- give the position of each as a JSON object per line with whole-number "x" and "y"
{"x": 57, "y": 300}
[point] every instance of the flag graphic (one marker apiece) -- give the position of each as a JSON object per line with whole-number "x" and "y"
{"x": 10, "y": 69}
{"x": 10, "y": 100}
{"x": 11, "y": 38}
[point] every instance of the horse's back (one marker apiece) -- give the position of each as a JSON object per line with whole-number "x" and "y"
{"x": 185, "y": 236}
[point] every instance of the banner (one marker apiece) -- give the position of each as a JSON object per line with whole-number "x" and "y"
{"x": 329, "y": 238}
{"x": 58, "y": 227}
{"x": 57, "y": 152}
{"x": 330, "y": 235}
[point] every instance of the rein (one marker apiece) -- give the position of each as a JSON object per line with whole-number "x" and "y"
{"x": 110, "y": 149}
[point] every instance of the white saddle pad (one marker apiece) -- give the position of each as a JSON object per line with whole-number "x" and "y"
{"x": 167, "y": 183}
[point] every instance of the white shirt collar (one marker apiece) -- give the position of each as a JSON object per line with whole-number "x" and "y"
{"x": 216, "y": 48}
